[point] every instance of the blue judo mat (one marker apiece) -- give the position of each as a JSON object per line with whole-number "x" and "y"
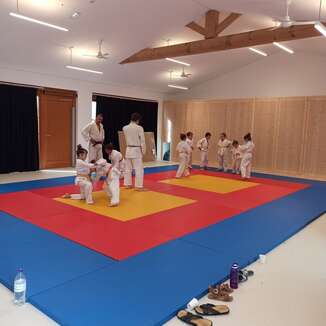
{"x": 79, "y": 287}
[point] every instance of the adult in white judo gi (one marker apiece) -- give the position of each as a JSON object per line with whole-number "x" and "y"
{"x": 136, "y": 148}
{"x": 93, "y": 133}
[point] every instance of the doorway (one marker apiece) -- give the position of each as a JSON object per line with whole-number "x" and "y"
{"x": 56, "y": 127}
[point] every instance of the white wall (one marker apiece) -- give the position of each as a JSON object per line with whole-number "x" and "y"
{"x": 278, "y": 75}
{"x": 85, "y": 91}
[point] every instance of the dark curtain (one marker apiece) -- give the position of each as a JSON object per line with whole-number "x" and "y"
{"x": 116, "y": 114}
{"x": 18, "y": 129}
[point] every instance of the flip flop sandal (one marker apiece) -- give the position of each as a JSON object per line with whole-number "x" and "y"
{"x": 209, "y": 309}
{"x": 215, "y": 294}
{"x": 248, "y": 272}
{"x": 191, "y": 319}
{"x": 243, "y": 277}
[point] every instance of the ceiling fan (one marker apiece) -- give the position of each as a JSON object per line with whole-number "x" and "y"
{"x": 100, "y": 54}
{"x": 288, "y": 21}
{"x": 184, "y": 74}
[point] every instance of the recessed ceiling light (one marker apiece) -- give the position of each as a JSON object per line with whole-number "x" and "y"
{"x": 258, "y": 52}
{"x": 32, "y": 20}
{"x": 178, "y": 61}
{"x": 177, "y": 86}
{"x": 283, "y": 47}
{"x": 76, "y": 14}
{"x": 84, "y": 69}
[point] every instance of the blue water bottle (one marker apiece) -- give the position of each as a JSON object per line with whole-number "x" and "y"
{"x": 234, "y": 276}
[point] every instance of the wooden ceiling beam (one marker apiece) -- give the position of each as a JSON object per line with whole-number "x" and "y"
{"x": 211, "y": 23}
{"x": 197, "y": 28}
{"x": 227, "y": 22}
{"x": 228, "y": 42}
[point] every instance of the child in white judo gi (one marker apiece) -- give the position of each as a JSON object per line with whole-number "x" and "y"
{"x": 247, "y": 151}
{"x": 111, "y": 183}
{"x": 183, "y": 150}
{"x": 190, "y": 142}
{"x": 223, "y": 152}
{"x": 116, "y": 159}
{"x": 83, "y": 179}
{"x": 236, "y": 157}
{"x": 203, "y": 145}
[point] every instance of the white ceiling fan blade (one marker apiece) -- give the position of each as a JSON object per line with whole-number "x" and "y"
{"x": 304, "y": 22}
{"x": 90, "y": 55}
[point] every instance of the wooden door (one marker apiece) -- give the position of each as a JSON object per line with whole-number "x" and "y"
{"x": 56, "y": 128}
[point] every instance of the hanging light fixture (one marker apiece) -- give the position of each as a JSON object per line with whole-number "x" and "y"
{"x": 33, "y": 20}
{"x": 283, "y": 47}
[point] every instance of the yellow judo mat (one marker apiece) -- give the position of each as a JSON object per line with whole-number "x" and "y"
{"x": 133, "y": 204}
{"x": 212, "y": 184}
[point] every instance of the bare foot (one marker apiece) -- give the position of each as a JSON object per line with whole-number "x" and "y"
{"x": 141, "y": 189}
{"x": 114, "y": 205}
{"x": 66, "y": 196}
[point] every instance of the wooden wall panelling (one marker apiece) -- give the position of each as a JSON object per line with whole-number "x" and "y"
{"x": 200, "y": 112}
{"x": 274, "y": 147}
{"x": 238, "y": 121}
{"x": 194, "y": 121}
{"x": 178, "y": 126}
{"x": 239, "y": 118}
{"x": 265, "y": 120}
{"x": 169, "y": 113}
{"x": 289, "y": 140}
{"x": 150, "y": 155}
{"x": 304, "y": 137}
{"x": 217, "y": 121}
{"x": 315, "y": 149}
{"x": 288, "y": 132}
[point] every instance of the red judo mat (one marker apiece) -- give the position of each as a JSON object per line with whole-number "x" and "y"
{"x": 120, "y": 240}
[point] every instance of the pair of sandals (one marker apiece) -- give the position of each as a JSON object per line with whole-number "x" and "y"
{"x": 220, "y": 293}
{"x": 207, "y": 309}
